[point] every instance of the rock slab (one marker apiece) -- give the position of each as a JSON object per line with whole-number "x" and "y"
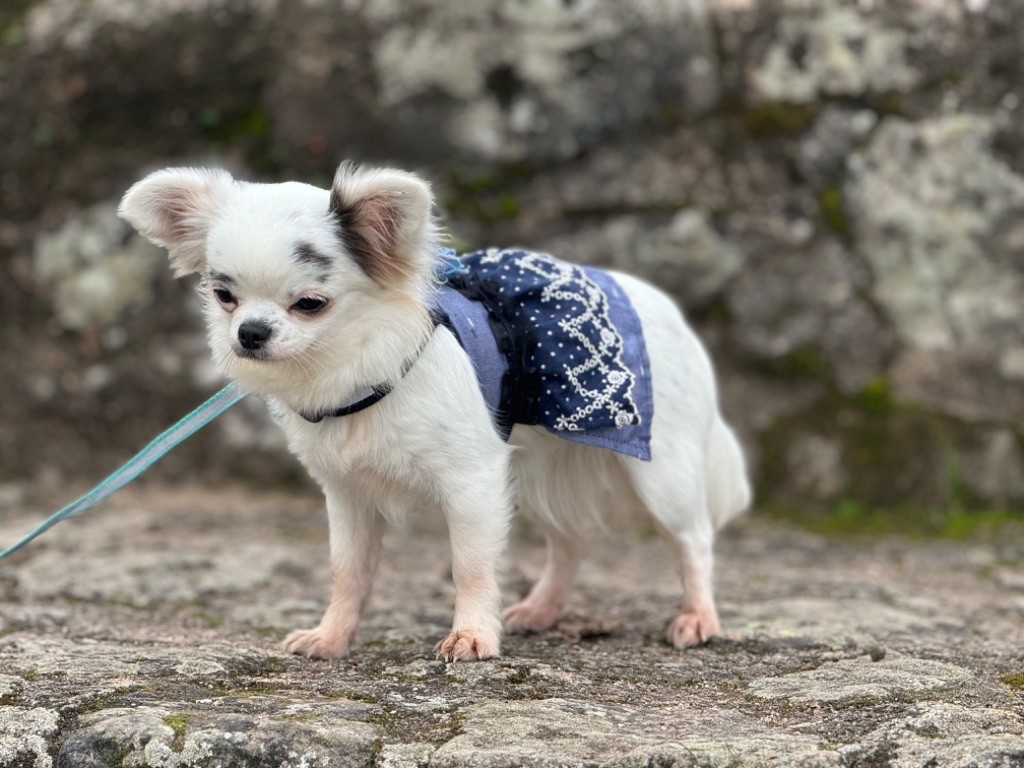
{"x": 833, "y": 653}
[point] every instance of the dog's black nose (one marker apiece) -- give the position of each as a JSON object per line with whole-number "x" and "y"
{"x": 253, "y": 334}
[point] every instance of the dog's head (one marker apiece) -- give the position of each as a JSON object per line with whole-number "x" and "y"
{"x": 289, "y": 271}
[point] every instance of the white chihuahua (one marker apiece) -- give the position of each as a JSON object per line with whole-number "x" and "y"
{"x": 325, "y": 304}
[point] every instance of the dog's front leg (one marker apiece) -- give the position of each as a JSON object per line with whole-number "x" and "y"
{"x": 478, "y": 515}
{"x": 355, "y": 529}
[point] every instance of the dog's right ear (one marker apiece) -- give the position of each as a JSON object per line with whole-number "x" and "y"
{"x": 174, "y": 208}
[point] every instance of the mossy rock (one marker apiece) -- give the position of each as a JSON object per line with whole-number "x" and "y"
{"x": 779, "y": 118}
{"x": 888, "y": 453}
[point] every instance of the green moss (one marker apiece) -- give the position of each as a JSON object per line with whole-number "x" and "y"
{"x": 11, "y": 34}
{"x": 833, "y": 211}
{"x": 178, "y": 724}
{"x": 779, "y": 117}
{"x": 848, "y": 517}
{"x": 954, "y": 478}
{"x": 875, "y": 397}
{"x": 890, "y": 452}
{"x": 209, "y": 118}
{"x": 486, "y": 195}
{"x": 233, "y": 127}
{"x": 518, "y": 676}
{"x": 275, "y": 665}
{"x": 959, "y": 524}
{"x": 302, "y": 717}
{"x": 715, "y": 312}
{"x": 804, "y": 362}
{"x": 255, "y": 123}
{"x": 470, "y": 183}
{"x": 317, "y": 179}
{"x": 890, "y": 103}
{"x": 488, "y": 208}
{"x": 12, "y": 16}
{"x": 347, "y": 694}
{"x": 901, "y": 465}
{"x": 1015, "y": 680}
{"x": 508, "y": 205}
{"x": 209, "y": 620}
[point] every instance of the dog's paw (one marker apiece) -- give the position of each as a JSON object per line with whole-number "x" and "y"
{"x": 467, "y": 645}
{"x": 529, "y": 617}
{"x": 316, "y": 644}
{"x": 693, "y": 628}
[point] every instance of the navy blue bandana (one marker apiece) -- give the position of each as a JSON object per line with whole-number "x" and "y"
{"x": 553, "y": 344}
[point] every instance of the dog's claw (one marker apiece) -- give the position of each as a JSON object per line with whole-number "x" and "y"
{"x": 466, "y": 645}
{"x": 316, "y": 644}
{"x": 528, "y": 617}
{"x": 693, "y": 628}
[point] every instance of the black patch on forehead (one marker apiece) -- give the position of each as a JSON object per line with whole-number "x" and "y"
{"x": 307, "y": 254}
{"x": 220, "y": 277}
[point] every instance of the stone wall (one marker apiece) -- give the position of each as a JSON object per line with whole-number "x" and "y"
{"x": 832, "y": 190}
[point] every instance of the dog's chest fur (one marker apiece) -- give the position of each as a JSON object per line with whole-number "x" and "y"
{"x": 358, "y": 445}
{"x": 404, "y": 444}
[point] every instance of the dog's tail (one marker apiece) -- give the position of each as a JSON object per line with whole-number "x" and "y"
{"x": 728, "y": 487}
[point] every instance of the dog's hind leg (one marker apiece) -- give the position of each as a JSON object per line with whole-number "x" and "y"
{"x": 676, "y": 497}
{"x": 697, "y": 621}
{"x": 540, "y": 609}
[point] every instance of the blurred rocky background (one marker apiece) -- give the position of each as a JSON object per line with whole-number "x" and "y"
{"x": 833, "y": 190}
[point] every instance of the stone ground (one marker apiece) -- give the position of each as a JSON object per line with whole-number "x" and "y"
{"x": 146, "y": 634}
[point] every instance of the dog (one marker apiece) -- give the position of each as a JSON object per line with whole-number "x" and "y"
{"x": 322, "y": 302}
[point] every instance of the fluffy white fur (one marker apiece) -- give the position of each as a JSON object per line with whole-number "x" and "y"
{"x": 431, "y": 441}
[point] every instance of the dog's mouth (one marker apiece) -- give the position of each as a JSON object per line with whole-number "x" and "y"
{"x": 253, "y": 354}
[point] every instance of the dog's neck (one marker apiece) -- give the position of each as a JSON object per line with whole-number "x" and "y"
{"x": 370, "y": 396}
{"x": 374, "y": 351}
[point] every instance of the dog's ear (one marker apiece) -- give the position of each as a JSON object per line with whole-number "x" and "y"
{"x": 386, "y": 220}
{"x": 174, "y": 208}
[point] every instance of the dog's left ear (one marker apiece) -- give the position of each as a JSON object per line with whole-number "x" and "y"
{"x": 385, "y": 217}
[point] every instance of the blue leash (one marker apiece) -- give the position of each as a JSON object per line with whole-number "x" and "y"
{"x": 142, "y": 461}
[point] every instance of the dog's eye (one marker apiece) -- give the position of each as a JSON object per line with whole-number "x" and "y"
{"x": 226, "y": 298}
{"x": 309, "y": 305}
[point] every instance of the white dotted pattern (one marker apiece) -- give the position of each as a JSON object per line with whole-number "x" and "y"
{"x": 596, "y": 387}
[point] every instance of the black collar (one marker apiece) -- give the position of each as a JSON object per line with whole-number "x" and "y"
{"x": 364, "y": 398}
